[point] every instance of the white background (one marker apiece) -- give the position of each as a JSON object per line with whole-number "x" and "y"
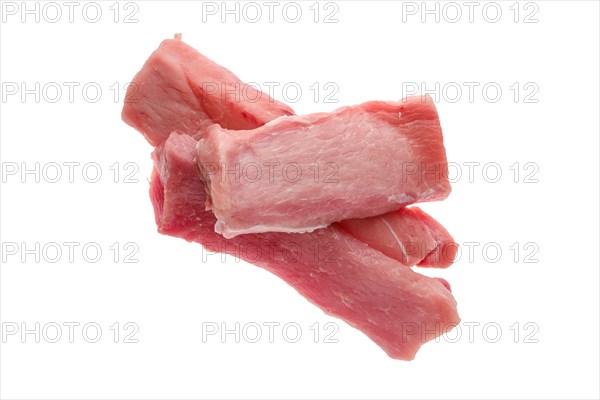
{"x": 169, "y": 293}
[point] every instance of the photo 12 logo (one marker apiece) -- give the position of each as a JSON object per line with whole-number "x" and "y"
{"x": 253, "y": 92}
{"x": 269, "y": 332}
{"x": 69, "y": 332}
{"x": 69, "y": 252}
{"x": 493, "y": 172}
{"x": 290, "y": 251}
{"x": 473, "y": 332}
{"x": 52, "y": 12}
{"x": 68, "y": 92}
{"x": 474, "y": 92}
{"x": 270, "y": 11}
{"x": 68, "y": 172}
{"x": 493, "y": 252}
{"x": 271, "y": 172}
{"x": 453, "y": 12}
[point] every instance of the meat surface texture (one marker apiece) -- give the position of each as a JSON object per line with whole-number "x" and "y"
{"x": 400, "y": 235}
{"x": 179, "y": 89}
{"x": 409, "y": 236}
{"x": 396, "y": 307}
{"x": 341, "y": 271}
{"x": 301, "y": 173}
{"x": 446, "y": 248}
{"x": 165, "y": 102}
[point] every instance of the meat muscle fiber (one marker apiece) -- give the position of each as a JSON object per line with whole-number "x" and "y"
{"x": 372, "y": 293}
{"x": 301, "y": 173}
{"x": 409, "y": 235}
{"x": 396, "y": 307}
{"x": 446, "y": 248}
{"x": 179, "y": 89}
{"x": 162, "y": 99}
{"x": 400, "y": 235}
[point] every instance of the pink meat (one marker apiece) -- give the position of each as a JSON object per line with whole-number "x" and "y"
{"x": 409, "y": 236}
{"x": 445, "y": 251}
{"x": 178, "y": 198}
{"x": 400, "y": 235}
{"x": 179, "y": 89}
{"x": 162, "y": 99}
{"x": 396, "y": 307}
{"x": 301, "y": 173}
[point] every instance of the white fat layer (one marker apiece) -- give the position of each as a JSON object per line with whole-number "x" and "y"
{"x": 401, "y": 198}
{"x": 228, "y": 233}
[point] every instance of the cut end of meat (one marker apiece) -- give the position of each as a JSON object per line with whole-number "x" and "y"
{"x": 414, "y": 332}
{"x": 443, "y": 255}
{"x": 177, "y": 191}
{"x": 179, "y": 89}
{"x": 400, "y": 235}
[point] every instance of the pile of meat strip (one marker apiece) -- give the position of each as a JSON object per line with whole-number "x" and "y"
{"x": 319, "y": 200}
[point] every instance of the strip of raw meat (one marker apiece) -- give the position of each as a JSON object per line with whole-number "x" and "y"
{"x": 300, "y": 173}
{"x": 396, "y": 307}
{"x": 445, "y": 252}
{"x": 400, "y": 235}
{"x": 409, "y": 235}
{"x": 179, "y": 89}
{"x": 162, "y": 99}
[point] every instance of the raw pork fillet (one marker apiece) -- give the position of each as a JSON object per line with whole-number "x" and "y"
{"x": 162, "y": 99}
{"x": 409, "y": 235}
{"x": 396, "y": 307}
{"x": 179, "y": 89}
{"x": 300, "y": 173}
